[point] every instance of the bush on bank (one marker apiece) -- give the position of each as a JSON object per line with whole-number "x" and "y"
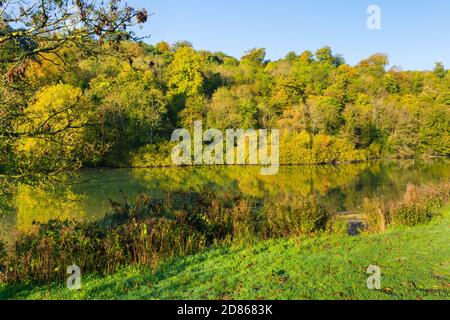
{"x": 150, "y": 231}
{"x": 296, "y": 148}
{"x": 419, "y": 205}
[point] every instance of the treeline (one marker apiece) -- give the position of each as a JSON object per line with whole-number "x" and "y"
{"x": 121, "y": 109}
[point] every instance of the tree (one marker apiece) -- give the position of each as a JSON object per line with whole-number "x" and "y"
{"x": 439, "y": 70}
{"x": 359, "y": 122}
{"x": 390, "y": 84}
{"x": 39, "y": 31}
{"x": 47, "y": 25}
{"x": 291, "y": 56}
{"x": 163, "y": 47}
{"x": 196, "y": 110}
{"x": 256, "y": 56}
{"x": 185, "y": 72}
{"x": 180, "y": 44}
{"x": 57, "y": 116}
{"x": 306, "y": 56}
{"x": 223, "y": 112}
{"x": 326, "y": 115}
{"x": 325, "y": 55}
{"x": 129, "y": 111}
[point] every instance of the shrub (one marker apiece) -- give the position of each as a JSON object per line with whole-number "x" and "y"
{"x": 301, "y": 148}
{"x": 419, "y": 205}
{"x": 411, "y": 214}
{"x": 338, "y": 225}
{"x": 153, "y": 155}
{"x": 246, "y": 223}
{"x": 3, "y": 254}
{"x": 148, "y": 231}
{"x": 295, "y": 148}
{"x": 301, "y": 216}
{"x": 376, "y": 213}
{"x": 44, "y": 257}
{"x": 313, "y": 216}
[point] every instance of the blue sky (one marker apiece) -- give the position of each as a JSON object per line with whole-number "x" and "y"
{"x": 415, "y": 34}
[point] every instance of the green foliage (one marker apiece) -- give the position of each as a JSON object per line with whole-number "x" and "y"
{"x": 439, "y": 70}
{"x": 302, "y": 148}
{"x": 129, "y": 107}
{"x": 3, "y": 253}
{"x": 42, "y": 105}
{"x": 419, "y": 205}
{"x": 390, "y": 84}
{"x": 326, "y": 115}
{"x": 251, "y": 272}
{"x": 153, "y": 155}
{"x": 305, "y": 216}
{"x": 196, "y": 109}
{"x": 112, "y": 107}
{"x": 223, "y": 112}
{"x": 185, "y": 72}
{"x": 255, "y": 56}
{"x": 148, "y": 231}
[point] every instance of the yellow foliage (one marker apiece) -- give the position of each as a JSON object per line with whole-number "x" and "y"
{"x": 36, "y": 205}
{"x": 56, "y": 111}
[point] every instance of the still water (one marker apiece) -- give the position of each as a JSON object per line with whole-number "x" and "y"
{"x": 342, "y": 188}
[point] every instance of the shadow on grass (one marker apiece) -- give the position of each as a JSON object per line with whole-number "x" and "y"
{"x": 140, "y": 279}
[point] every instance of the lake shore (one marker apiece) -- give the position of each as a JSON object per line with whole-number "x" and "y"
{"x": 336, "y": 163}
{"x": 413, "y": 261}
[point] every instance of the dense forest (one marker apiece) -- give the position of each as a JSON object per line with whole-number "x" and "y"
{"x": 80, "y": 89}
{"x": 328, "y": 110}
{"x": 116, "y": 101}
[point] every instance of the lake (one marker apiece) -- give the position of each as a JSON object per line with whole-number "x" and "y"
{"x": 341, "y": 188}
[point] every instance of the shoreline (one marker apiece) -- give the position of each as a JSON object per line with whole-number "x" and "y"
{"x": 261, "y": 278}
{"x": 339, "y": 163}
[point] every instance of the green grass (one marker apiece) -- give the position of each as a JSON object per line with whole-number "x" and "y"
{"x": 415, "y": 264}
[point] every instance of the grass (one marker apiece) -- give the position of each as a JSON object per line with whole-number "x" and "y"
{"x": 415, "y": 264}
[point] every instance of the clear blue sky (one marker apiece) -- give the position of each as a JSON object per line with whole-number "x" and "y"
{"x": 415, "y": 34}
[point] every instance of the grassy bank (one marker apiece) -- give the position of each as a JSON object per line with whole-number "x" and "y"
{"x": 415, "y": 264}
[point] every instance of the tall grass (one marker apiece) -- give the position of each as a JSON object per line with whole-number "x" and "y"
{"x": 419, "y": 205}
{"x": 149, "y": 231}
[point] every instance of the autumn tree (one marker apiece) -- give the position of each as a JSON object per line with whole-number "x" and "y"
{"x": 40, "y": 31}
{"x": 439, "y": 70}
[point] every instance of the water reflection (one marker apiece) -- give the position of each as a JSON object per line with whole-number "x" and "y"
{"x": 341, "y": 188}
